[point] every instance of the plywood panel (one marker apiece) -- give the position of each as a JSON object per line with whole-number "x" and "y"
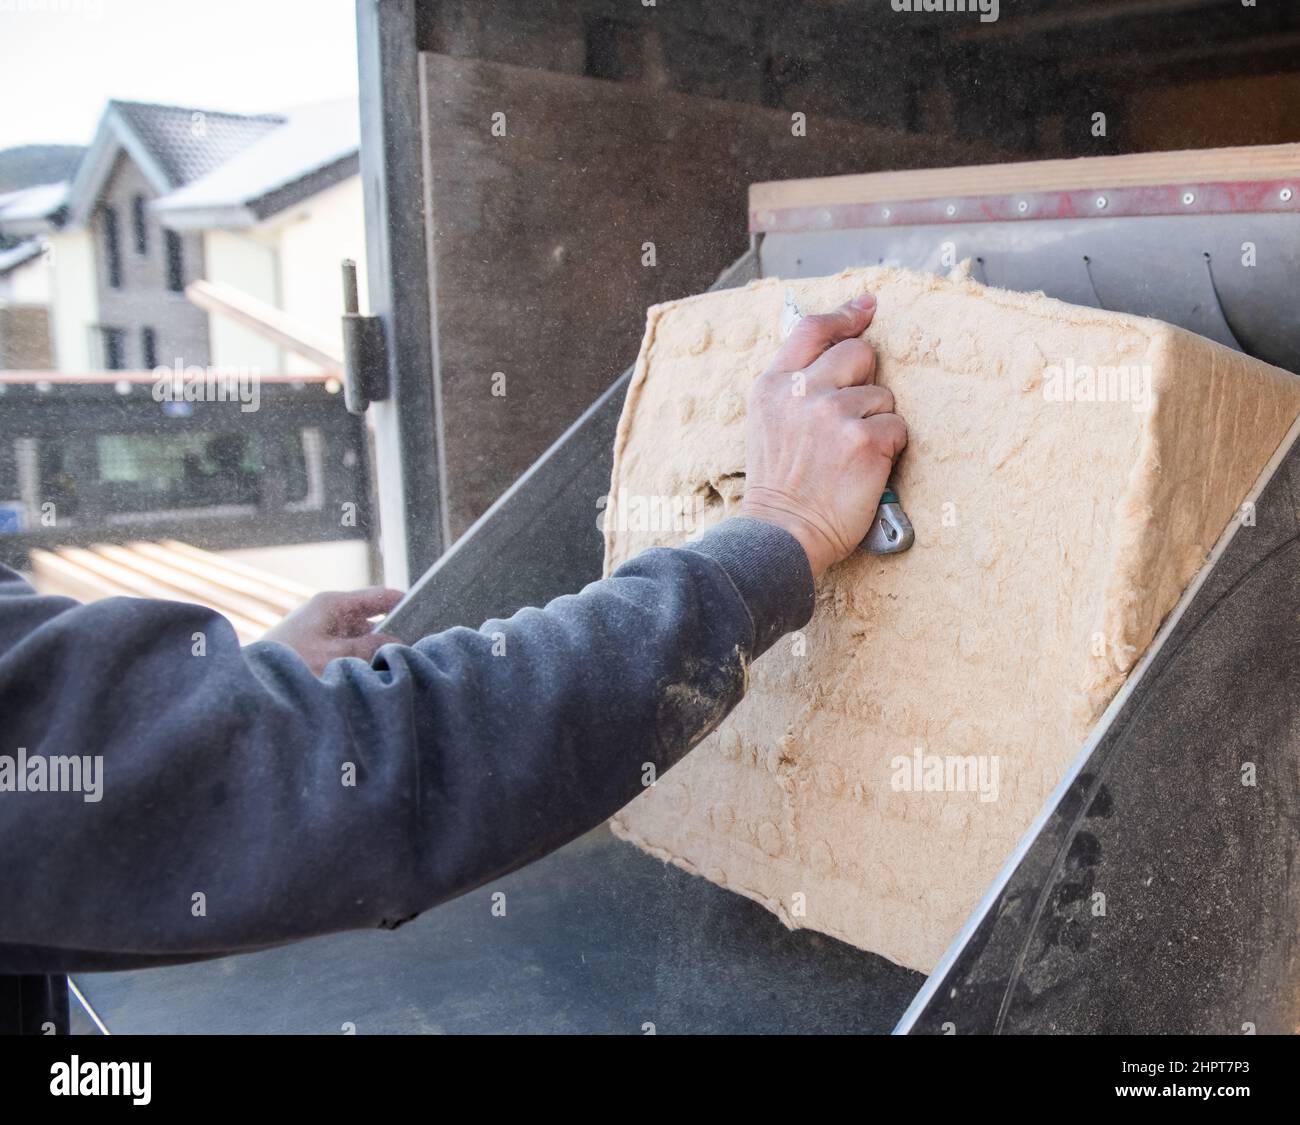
{"x": 537, "y": 237}
{"x": 1193, "y": 166}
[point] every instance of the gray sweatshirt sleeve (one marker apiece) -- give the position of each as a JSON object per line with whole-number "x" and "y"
{"x": 244, "y": 802}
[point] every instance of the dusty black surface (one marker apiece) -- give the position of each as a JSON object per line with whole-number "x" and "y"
{"x": 597, "y": 937}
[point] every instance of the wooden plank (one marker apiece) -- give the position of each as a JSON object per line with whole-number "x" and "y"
{"x": 129, "y": 583}
{"x": 1192, "y": 166}
{"x": 54, "y": 574}
{"x": 193, "y": 589}
{"x": 250, "y": 599}
{"x": 209, "y": 570}
{"x": 267, "y": 321}
{"x": 297, "y": 590}
{"x": 537, "y": 237}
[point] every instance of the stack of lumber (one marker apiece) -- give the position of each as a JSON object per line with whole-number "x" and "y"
{"x": 251, "y": 599}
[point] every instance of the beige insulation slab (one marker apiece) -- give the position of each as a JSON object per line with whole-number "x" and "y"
{"x": 887, "y": 759}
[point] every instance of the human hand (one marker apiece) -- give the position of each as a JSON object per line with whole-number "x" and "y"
{"x": 821, "y": 436}
{"x": 336, "y": 623}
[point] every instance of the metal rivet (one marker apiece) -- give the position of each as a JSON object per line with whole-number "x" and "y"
{"x": 1188, "y": 199}
{"x": 1101, "y": 202}
{"x": 952, "y": 210}
{"x": 1285, "y": 194}
{"x": 1022, "y": 206}
{"x": 886, "y": 213}
{"x": 122, "y": 387}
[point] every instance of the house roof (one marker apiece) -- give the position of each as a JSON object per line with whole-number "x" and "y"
{"x": 171, "y": 145}
{"x": 315, "y": 147}
{"x": 32, "y": 210}
{"x": 189, "y": 143}
{"x": 19, "y": 255}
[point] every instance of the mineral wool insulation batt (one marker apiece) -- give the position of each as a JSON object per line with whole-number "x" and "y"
{"x": 1068, "y": 472}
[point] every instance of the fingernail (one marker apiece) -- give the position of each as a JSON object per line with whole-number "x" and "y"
{"x": 866, "y": 301}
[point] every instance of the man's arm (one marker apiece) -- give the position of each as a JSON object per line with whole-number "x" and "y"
{"x": 245, "y": 802}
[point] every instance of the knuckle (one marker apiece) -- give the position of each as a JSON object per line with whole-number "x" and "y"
{"x": 855, "y": 354}
{"x": 884, "y": 434}
{"x": 824, "y": 409}
{"x": 858, "y": 436}
{"x": 894, "y": 429}
{"x": 857, "y": 347}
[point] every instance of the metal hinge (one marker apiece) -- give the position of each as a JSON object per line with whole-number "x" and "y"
{"x": 365, "y": 350}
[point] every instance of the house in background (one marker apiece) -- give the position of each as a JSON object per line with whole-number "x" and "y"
{"x": 166, "y": 195}
{"x": 275, "y": 222}
{"x": 34, "y": 217}
{"x": 141, "y": 153}
{"x": 163, "y": 197}
{"x": 25, "y": 337}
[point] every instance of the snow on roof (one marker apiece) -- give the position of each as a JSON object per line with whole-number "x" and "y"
{"x": 36, "y": 202}
{"x": 18, "y": 255}
{"x": 308, "y": 150}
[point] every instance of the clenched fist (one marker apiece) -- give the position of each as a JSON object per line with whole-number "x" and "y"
{"x": 821, "y": 436}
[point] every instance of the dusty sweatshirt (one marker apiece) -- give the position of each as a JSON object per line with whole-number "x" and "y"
{"x": 226, "y": 799}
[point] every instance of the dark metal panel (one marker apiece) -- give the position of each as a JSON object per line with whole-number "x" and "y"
{"x": 540, "y": 540}
{"x": 1161, "y": 894}
{"x": 413, "y": 514}
{"x": 1188, "y": 271}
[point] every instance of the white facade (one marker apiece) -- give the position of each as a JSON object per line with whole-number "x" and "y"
{"x": 74, "y": 302}
{"x": 314, "y": 239}
{"x": 248, "y": 260}
{"x": 292, "y": 261}
{"x": 28, "y": 284}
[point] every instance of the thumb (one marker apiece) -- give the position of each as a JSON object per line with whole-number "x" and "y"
{"x": 814, "y": 334}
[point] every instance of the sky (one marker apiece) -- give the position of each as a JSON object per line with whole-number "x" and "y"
{"x": 61, "y": 60}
